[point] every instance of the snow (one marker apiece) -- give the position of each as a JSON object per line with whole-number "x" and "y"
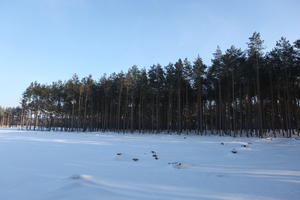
{"x": 59, "y": 165}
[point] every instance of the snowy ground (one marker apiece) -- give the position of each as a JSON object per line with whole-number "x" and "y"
{"x": 54, "y": 166}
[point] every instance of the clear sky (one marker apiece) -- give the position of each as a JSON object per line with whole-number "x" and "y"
{"x": 47, "y": 40}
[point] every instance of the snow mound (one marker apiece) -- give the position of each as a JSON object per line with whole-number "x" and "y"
{"x": 81, "y": 177}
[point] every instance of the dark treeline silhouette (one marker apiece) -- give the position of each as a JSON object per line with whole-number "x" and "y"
{"x": 10, "y": 116}
{"x": 247, "y": 93}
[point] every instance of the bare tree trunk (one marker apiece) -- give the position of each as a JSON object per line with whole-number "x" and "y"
{"x": 233, "y": 105}
{"x": 85, "y": 111}
{"x": 157, "y": 113}
{"x": 200, "y": 109}
{"x": 140, "y": 113}
{"x": 79, "y": 110}
{"x": 272, "y": 104}
{"x": 119, "y": 107}
{"x": 131, "y": 113}
{"x": 220, "y": 107}
{"x": 72, "y": 119}
{"x": 179, "y": 109}
{"x": 169, "y": 125}
{"x": 259, "y": 101}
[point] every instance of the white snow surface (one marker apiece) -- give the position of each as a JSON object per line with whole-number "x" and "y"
{"x": 60, "y": 165}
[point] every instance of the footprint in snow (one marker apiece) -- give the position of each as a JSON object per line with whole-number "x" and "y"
{"x": 179, "y": 165}
{"x": 234, "y": 151}
{"x": 154, "y": 155}
{"x": 122, "y": 157}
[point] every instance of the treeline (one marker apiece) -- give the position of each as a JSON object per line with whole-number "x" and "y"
{"x": 248, "y": 93}
{"x": 10, "y": 117}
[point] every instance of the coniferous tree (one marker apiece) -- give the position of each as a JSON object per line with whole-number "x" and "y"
{"x": 253, "y": 94}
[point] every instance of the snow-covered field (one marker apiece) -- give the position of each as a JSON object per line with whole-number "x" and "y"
{"x": 54, "y": 166}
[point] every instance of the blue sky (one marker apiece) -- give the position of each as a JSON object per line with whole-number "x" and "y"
{"x": 47, "y": 40}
